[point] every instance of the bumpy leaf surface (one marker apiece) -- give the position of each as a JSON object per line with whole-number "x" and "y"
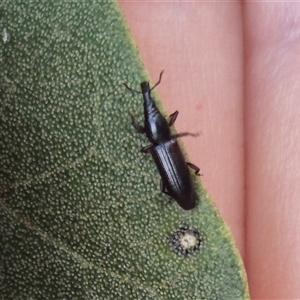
{"x": 82, "y": 215}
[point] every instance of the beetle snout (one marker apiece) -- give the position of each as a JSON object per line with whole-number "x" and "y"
{"x": 145, "y": 87}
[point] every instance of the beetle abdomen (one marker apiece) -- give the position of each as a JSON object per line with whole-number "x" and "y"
{"x": 174, "y": 173}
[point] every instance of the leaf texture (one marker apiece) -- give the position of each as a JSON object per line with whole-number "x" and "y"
{"x": 81, "y": 212}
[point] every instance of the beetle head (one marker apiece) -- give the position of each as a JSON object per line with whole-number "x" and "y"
{"x": 145, "y": 87}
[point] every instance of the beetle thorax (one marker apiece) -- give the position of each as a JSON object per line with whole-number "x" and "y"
{"x": 157, "y": 127}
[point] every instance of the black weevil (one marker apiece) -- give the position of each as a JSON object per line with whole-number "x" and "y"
{"x": 176, "y": 178}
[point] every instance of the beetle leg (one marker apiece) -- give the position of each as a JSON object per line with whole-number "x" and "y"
{"x": 147, "y": 149}
{"x": 195, "y": 168}
{"x": 175, "y": 136}
{"x": 173, "y": 118}
{"x": 163, "y": 188}
{"x": 139, "y": 128}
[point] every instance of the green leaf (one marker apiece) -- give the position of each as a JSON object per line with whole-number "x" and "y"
{"x": 82, "y": 215}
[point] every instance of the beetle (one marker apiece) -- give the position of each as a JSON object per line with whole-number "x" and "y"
{"x": 176, "y": 180}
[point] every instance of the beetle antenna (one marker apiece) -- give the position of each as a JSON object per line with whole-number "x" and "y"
{"x": 159, "y": 80}
{"x": 130, "y": 89}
